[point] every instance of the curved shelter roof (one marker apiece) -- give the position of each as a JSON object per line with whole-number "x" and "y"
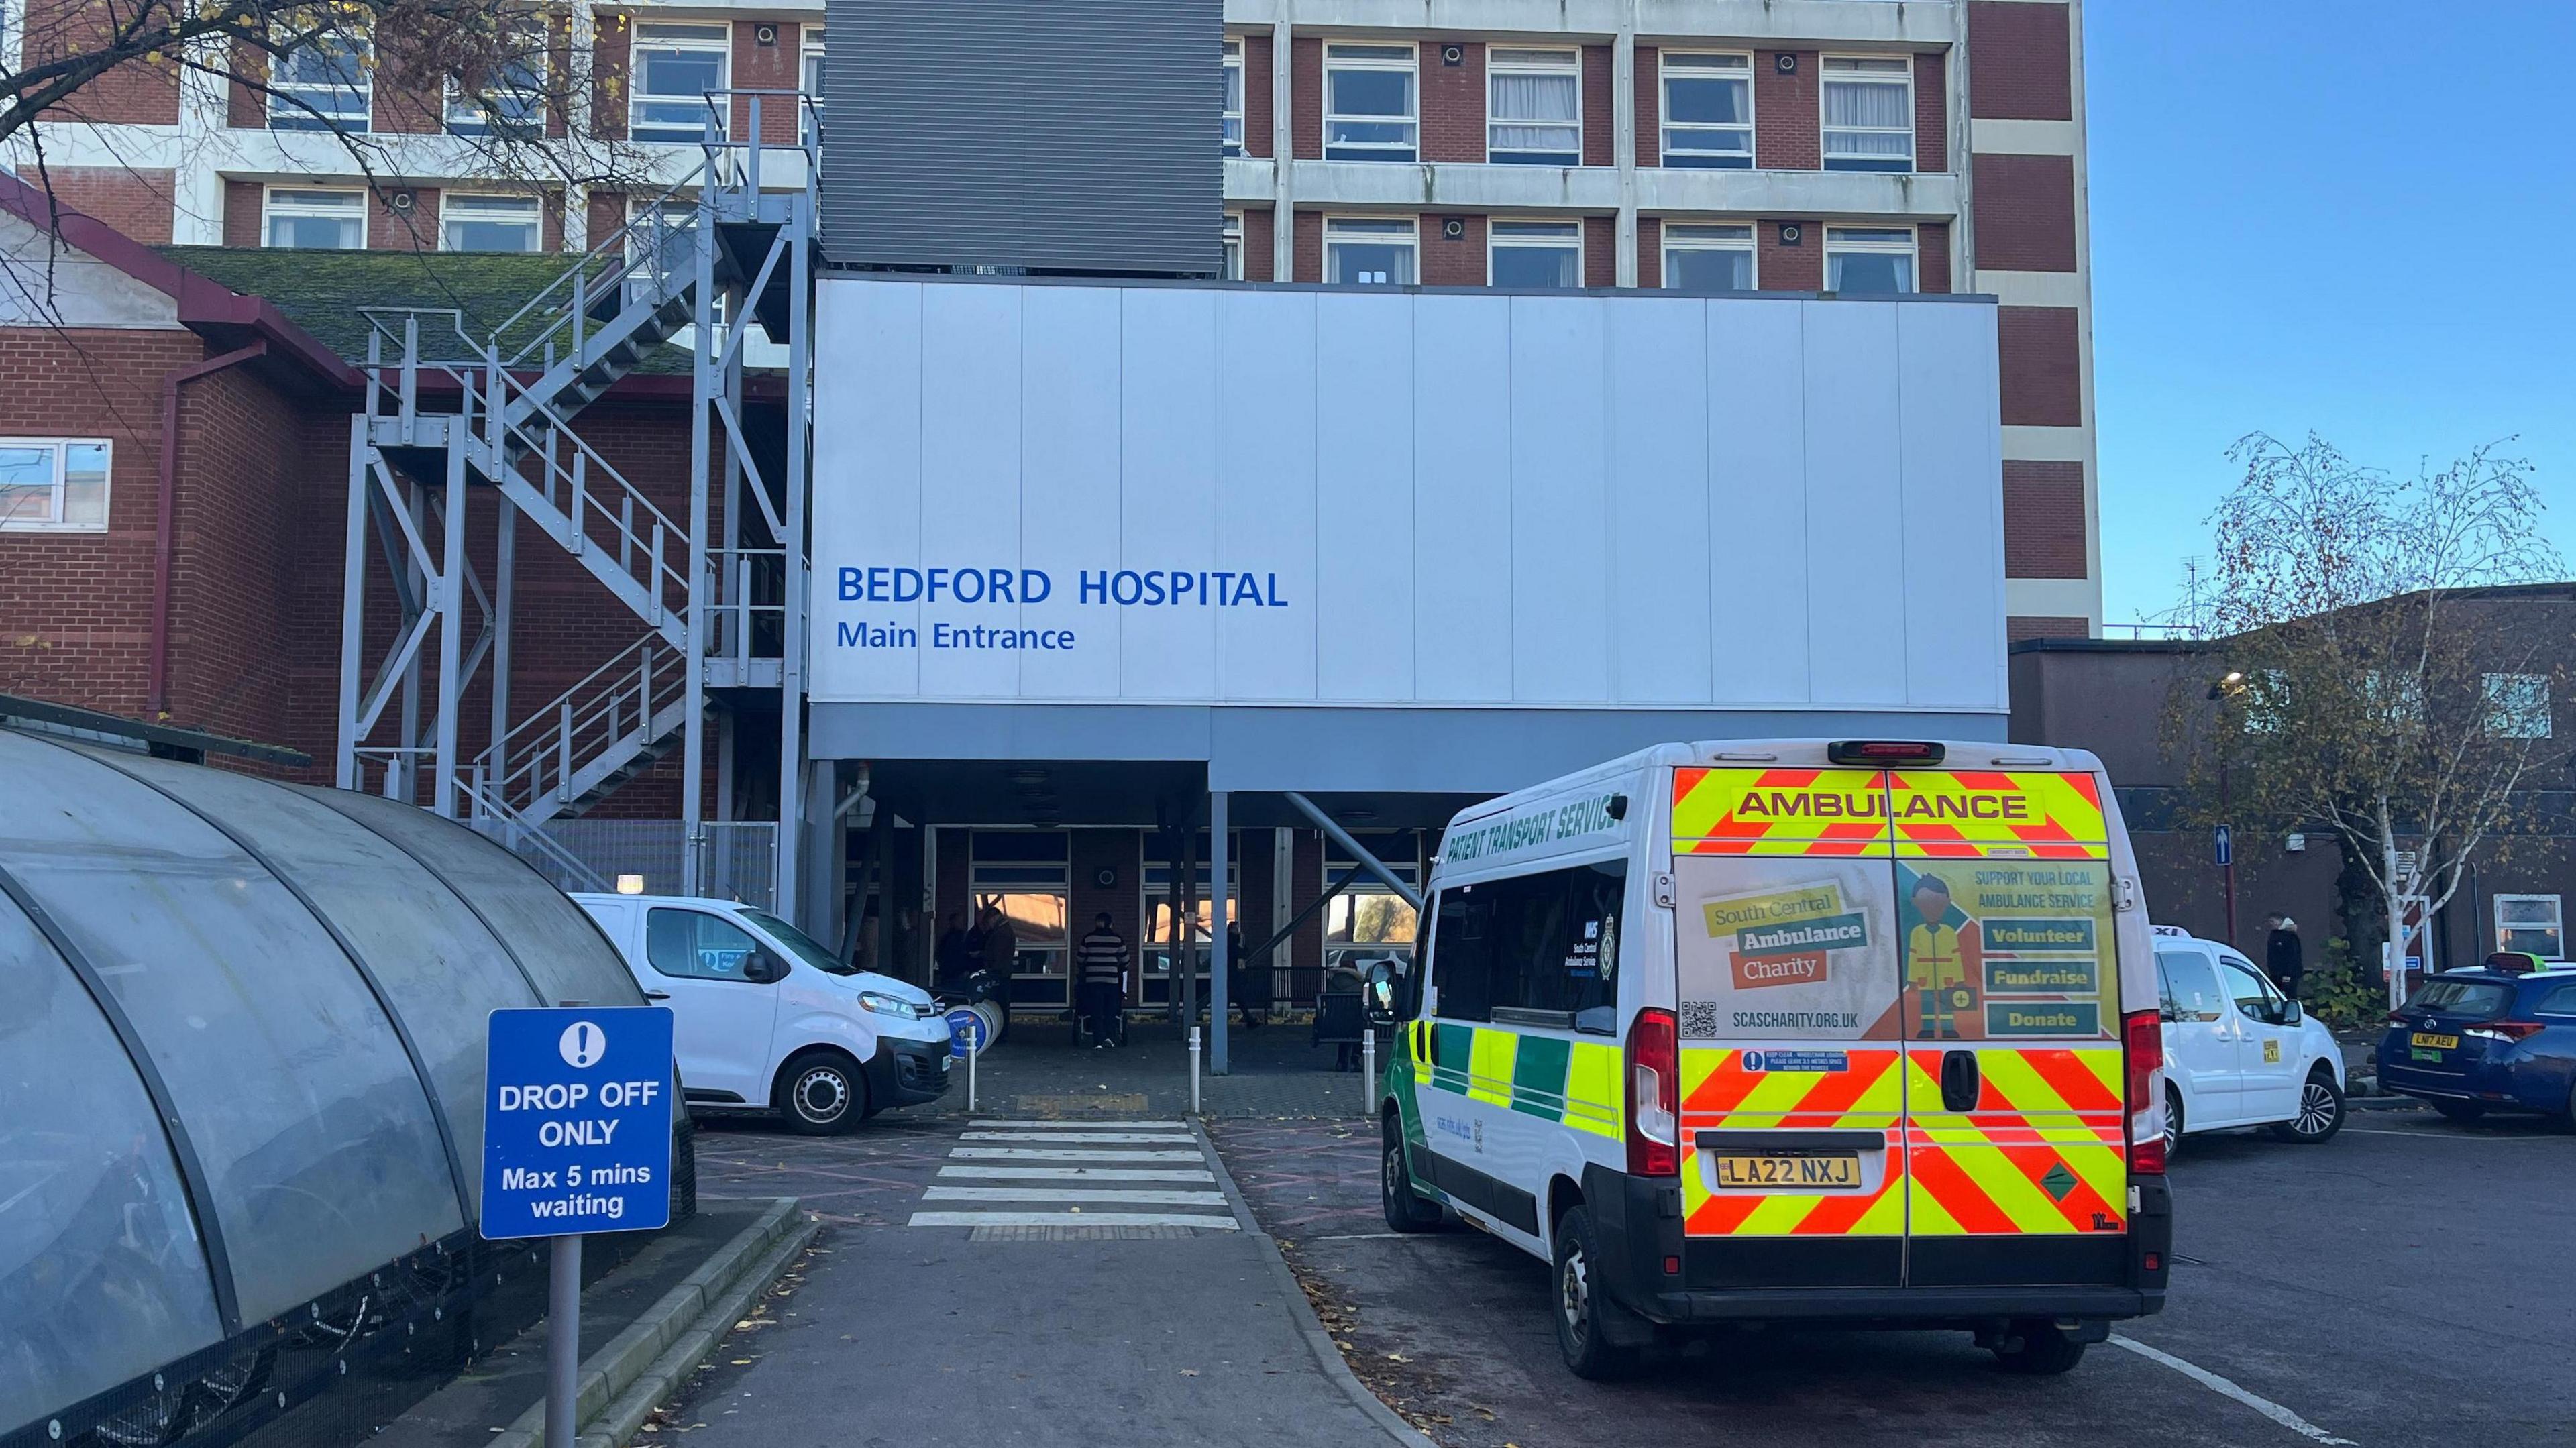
{"x": 241, "y": 1059}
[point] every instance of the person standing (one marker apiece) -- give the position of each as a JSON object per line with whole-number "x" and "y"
{"x": 954, "y": 956}
{"x": 2284, "y": 956}
{"x": 1001, "y": 946}
{"x": 1247, "y": 987}
{"x": 1100, "y": 963}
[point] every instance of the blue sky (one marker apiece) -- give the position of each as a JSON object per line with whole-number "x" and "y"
{"x": 2355, "y": 218}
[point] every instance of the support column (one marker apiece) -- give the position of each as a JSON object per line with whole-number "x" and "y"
{"x": 1283, "y": 156}
{"x": 353, "y": 604}
{"x": 505, "y": 588}
{"x": 1218, "y": 850}
{"x": 1623, "y": 140}
{"x": 792, "y": 493}
{"x": 693, "y": 675}
{"x": 451, "y": 642}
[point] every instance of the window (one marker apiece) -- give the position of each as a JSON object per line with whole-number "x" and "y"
{"x": 52, "y": 483}
{"x": 1367, "y": 251}
{"x": 1233, "y": 140}
{"x": 1869, "y": 259}
{"x": 1533, "y": 107}
{"x": 1233, "y": 247}
{"x": 668, "y": 227}
{"x": 317, "y": 220}
{"x": 2560, "y": 1002}
{"x": 324, "y": 82}
{"x": 1869, "y": 113}
{"x": 1368, "y": 103}
{"x": 2190, "y": 986}
{"x": 1027, "y": 875}
{"x": 2530, "y": 923}
{"x": 1368, "y": 922}
{"x": 1708, "y": 111}
{"x": 1538, "y": 950}
{"x": 1535, "y": 254}
{"x": 811, "y": 39}
{"x": 490, "y": 223}
{"x": 1708, "y": 258}
{"x": 693, "y": 945}
{"x": 2518, "y": 706}
{"x": 511, "y": 101}
{"x": 803, "y": 946}
{"x": 675, "y": 66}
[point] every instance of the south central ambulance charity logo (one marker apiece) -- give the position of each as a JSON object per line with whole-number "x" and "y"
{"x": 1786, "y": 937}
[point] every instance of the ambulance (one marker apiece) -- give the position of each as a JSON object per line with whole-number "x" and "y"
{"x": 1858, "y": 1033}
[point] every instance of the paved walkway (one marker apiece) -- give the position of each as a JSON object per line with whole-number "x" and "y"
{"x": 1057, "y": 1277}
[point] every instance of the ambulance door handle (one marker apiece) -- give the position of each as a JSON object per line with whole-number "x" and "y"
{"x": 1960, "y": 1086}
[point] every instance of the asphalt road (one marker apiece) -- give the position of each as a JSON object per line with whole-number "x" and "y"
{"x": 2411, "y": 1282}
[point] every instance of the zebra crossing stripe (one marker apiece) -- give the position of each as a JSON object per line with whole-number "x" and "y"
{"x": 1096, "y": 1153}
{"x": 1146, "y": 1198}
{"x": 1078, "y": 1173}
{"x": 1103, "y": 1138}
{"x": 1076, "y": 1125}
{"x": 1073, "y": 1219}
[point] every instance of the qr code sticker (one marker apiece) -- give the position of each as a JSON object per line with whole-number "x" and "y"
{"x": 1699, "y": 1020}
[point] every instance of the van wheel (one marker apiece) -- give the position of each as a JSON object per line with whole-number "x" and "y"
{"x": 821, "y": 1094}
{"x": 2173, "y": 1122}
{"x": 1580, "y": 1306}
{"x": 2039, "y": 1349}
{"x": 1406, "y": 1210}
{"x": 2461, "y": 1110}
{"x": 2320, "y": 1111}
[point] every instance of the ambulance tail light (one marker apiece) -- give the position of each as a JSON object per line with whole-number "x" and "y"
{"x": 2143, "y": 1034}
{"x": 1654, "y": 1095}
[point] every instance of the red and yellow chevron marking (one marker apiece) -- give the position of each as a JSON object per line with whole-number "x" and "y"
{"x": 1717, "y": 1092}
{"x": 1989, "y": 1172}
{"x": 1780, "y": 812}
{"x": 1968, "y": 814}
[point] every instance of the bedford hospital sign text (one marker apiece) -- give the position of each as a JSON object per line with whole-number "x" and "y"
{"x": 1118, "y": 588}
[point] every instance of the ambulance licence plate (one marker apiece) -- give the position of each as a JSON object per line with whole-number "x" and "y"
{"x": 2438, "y": 1043}
{"x": 1834, "y": 1171}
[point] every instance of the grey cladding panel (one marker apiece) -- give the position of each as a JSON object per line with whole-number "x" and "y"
{"x": 1055, "y": 135}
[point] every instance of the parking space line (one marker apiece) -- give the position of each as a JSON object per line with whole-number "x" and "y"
{"x": 2436, "y": 1135}
{"x": 2225, "y": 1388}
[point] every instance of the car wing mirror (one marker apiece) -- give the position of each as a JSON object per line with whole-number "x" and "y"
{"x": 2291, "y": 1015}
{"x": 766, "y": 969}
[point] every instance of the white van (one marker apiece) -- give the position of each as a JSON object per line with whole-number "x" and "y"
{"x": 2237, "y": 1051}
{"x": 1861, "y": 1032}
{"x": 764, "y": 1018}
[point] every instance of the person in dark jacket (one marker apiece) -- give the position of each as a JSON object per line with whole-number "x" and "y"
{"x": 1247, "y": 985}
{"x": 954, "y": 956}
{"x": 2284, "y": 958}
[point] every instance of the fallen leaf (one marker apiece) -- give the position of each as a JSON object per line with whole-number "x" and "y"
{"x": 742, "y": 1362}
{"x": 1189, "y": 1372}
{"x": 1397, "y": 1357}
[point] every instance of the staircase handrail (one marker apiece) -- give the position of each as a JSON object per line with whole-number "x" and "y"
{"x": 487, "y": 804}
{"x": 570, "y": 294}
{"x": 542, "y": 752}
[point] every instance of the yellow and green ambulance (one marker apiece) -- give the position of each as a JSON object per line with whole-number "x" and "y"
{"x": 1859, "y": 1032}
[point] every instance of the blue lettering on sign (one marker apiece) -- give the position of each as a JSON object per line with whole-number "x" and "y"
{"x": 577, "y": 1112}
{"x": 1812, "y": 1061}
{"x": 1119, "y": 588}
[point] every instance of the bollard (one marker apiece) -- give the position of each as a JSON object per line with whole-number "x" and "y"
{"x": 1194, "y": 1070}
{"x": 974, "y": 1048}
{"x": 1368, "y": 1070}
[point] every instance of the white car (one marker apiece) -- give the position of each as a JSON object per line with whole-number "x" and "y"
{"x": 764, "y": 1018}
{"x": 2237, "y": 1051}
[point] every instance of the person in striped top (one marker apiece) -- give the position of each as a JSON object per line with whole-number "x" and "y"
{"x": 1100, "y": 963}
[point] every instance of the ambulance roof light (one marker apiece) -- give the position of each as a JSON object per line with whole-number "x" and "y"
{"x": 1884, "y": 751}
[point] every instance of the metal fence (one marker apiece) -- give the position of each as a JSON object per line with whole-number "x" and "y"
{"x": 737, "y": 859}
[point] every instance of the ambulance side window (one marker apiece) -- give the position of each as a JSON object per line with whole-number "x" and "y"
{"x": 1462, "y": 953}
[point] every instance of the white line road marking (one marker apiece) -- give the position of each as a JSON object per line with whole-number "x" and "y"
{"x": 1148, "y": 1198}
{"x": 1039, "y": 1153}
{"x": 2224, "y": 1388}
{"x": 1104, "y": 1138}
{"x": 2436, "y": 1134}
{"x": 1079, "y": 1173}
{"x": 1077, "y": 1125}
{"x": 1072, "y": 1219}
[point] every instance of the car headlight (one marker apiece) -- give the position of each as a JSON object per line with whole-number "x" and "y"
{"x": 886, "y": 1005}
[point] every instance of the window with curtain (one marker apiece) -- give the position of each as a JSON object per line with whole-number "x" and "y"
{"x": 1369, "y": 112}
{"x": 1233, "y": 115}
{"x": 1368, "y": 251}
{"x": 1708, "y": 258}
{"x": 1869, "y": 259}
{"x": 1708, "y": 111}
{"x": 317, "y": 220}
{"x": 324, "y": 82}
{"x": 1233, "y": 247}
{"x": 511, "y": 99}
{"x": 490, "y": 223}
{"x": 675, "y": 66}
{"x": 1868, "y": 106}
{"x": 1533, "y": 107}
{"x": 1536, "y": 254}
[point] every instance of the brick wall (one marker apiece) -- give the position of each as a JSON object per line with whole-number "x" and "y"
{"x": 949, "y": 887}
{"x": 2022, "y": 68}
{"x": 139, "y": 92}
{"x": 1306, "y": 97}
{"x": 137, "y": 202}
{"x": 1305, "y": 882}
{"x": 1259, "y": 242}
{"x": 778, "y": 65}
{"x": 1787, "y": 121}
{"x": 1307, "y": 247}
{"x": 1600, "y": 251}
{"x": 611, "y": 58}
{"x": 2025, "y": 209}
{"x": 1453, "y": 103}
{"x": 2044, "y": 533}
{"x": 2042, "y": 377}
{"x": 1459, "y": 263}
{"x": 1931, "y": 112}
{"x": 2018, "y": 628}
{"x": 244, "y": 105}
{"x": 391, "y": 230}
{"x": 242, "y": 543}
{"x": 1258, "y": 117}
{"x": 1650, "y": 251}
{"x": 1932, "y": 257}
{"x": 1600, "y": 146}
{"x": 1650, "y": 103}
{"x": 1779, "y": 268}
{"x": 1120, "y": 851}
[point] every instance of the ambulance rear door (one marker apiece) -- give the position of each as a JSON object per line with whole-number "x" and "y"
{"x": 1792, "y": 1062}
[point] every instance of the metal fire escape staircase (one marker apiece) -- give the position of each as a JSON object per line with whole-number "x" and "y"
{"x": 452, "y": 417}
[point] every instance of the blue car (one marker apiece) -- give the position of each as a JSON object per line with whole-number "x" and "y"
{"x": 2496, "y": 1037}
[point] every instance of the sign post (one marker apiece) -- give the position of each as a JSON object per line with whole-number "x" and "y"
{"x": 966, "y": 1038}
{"x": 2222, "y": 846}
{"x": 576, "y": 1139}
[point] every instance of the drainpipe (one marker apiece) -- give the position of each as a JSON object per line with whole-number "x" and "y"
{"x": 165, "y": 524}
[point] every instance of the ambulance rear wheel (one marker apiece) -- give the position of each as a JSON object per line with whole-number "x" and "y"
{"x": 2039, "y": 1349}
{"x": 1580, "y": 1307}
{"x": 1406, "y": 1209}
